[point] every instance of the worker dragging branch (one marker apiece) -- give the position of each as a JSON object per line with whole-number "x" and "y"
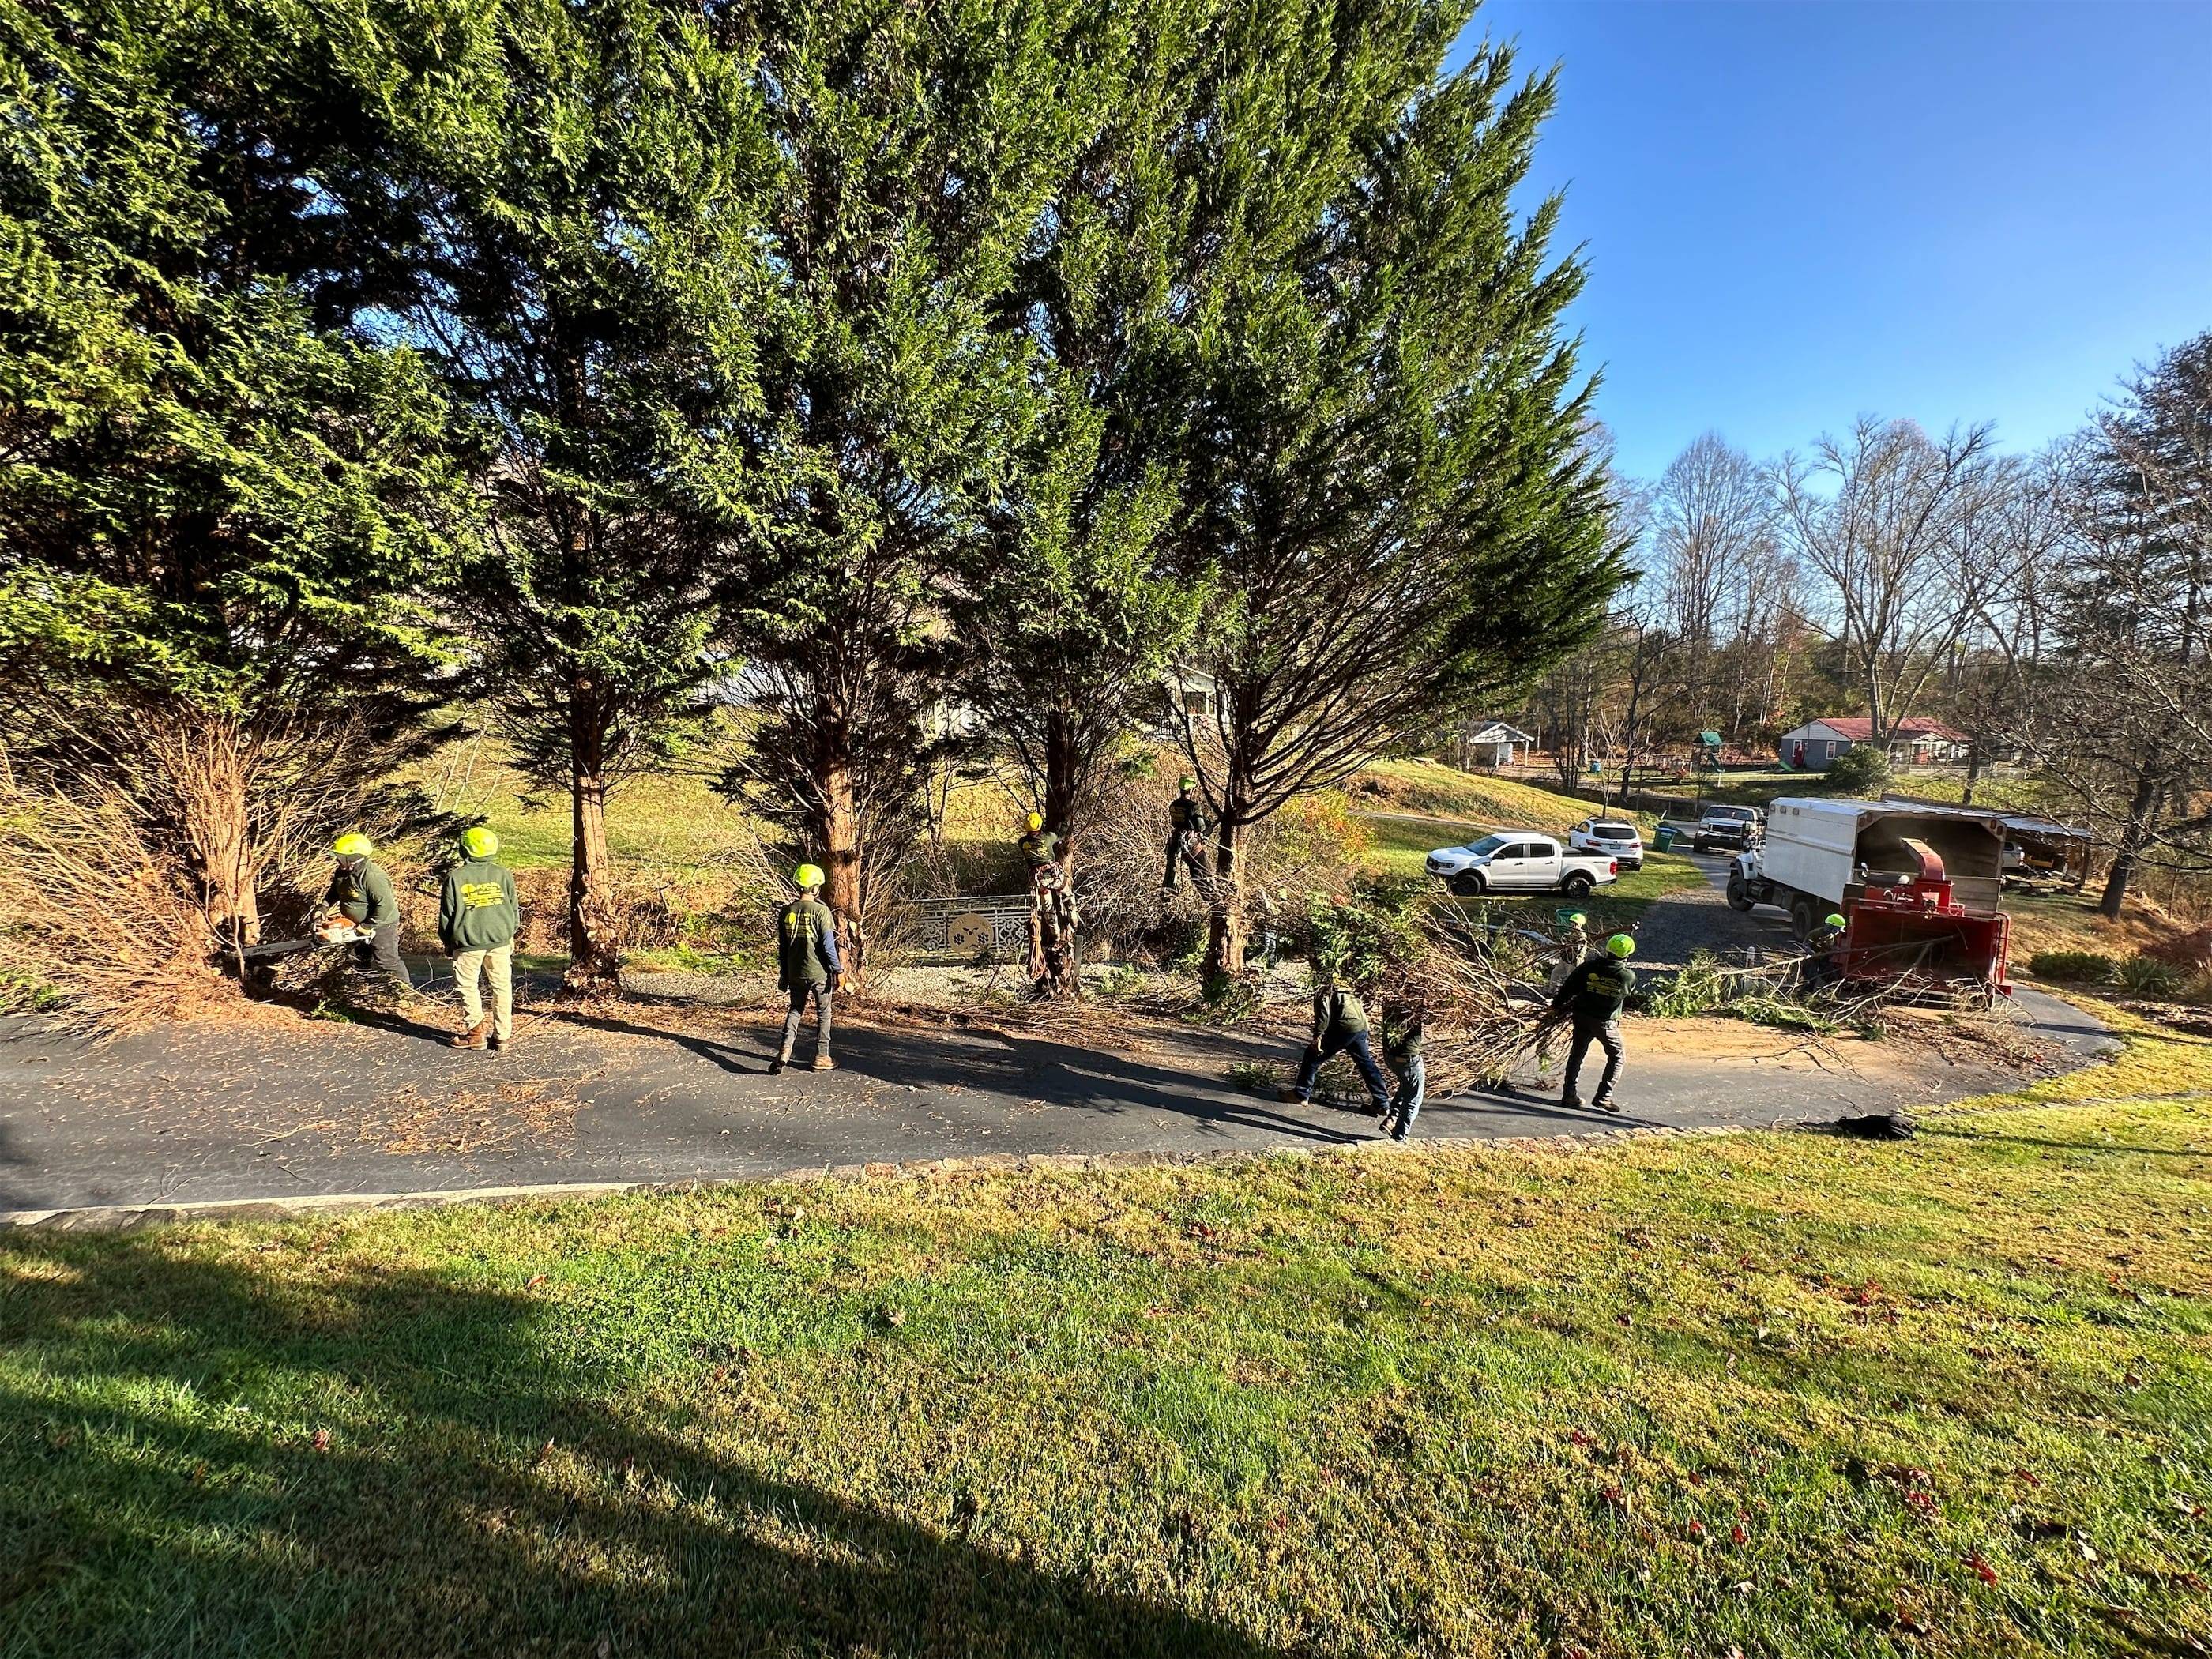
{"x": 1186, "y": 827}
{"x": 1339, "y": 1025}
{"x": 1592, "y": 997}
{"x": 807, "y": 965}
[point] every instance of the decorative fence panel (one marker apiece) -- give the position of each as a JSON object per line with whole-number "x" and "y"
{"x": 961, "y": 929}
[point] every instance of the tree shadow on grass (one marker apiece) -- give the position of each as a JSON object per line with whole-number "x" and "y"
{"x": 481, "y": 1491}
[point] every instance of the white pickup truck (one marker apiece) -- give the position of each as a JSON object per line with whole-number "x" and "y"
{"x": 1520, "y": 861}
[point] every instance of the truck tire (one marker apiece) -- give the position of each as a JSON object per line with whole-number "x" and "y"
{"x": 1739, "y": 896}
{"x": 1576, "y": 886}
{"x": 1467, "y": 886}
{"x": 1801, "y": 917}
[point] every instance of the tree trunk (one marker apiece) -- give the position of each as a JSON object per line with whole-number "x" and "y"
{"x": 1225, "y": 933}
{"x": 2133, "y": 835}
{"x": 840, "y": 833}
{"x": 594, "y": 929}
{"x": 1057, "y": 963}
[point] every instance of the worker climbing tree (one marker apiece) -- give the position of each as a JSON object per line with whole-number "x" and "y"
{"x": 1186, "y": 827}
{"x": 1052, "y": 908}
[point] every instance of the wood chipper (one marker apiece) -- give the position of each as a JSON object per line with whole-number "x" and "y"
{"x": 1917, "y": 885}
{"x": 1907, "y": 926}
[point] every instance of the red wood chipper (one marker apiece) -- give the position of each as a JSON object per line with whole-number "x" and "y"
{"x": 1905, "y": 929}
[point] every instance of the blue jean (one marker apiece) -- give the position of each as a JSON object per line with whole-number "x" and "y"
{"x": 1412, "y": 1090}
{"x": 1363, "y": 1056}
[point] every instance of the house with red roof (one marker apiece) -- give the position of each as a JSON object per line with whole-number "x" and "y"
{"x": 1815, "y": 745}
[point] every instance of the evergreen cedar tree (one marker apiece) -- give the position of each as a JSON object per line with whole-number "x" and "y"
{"x": 760, "y": 368}
{"x": 221, "y": 509}
{"x": 1387, "y": 460}
{"x": 577, "y": 192}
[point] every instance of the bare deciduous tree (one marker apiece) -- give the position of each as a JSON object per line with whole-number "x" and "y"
{"x": 1888, "y": 517}
{"x": 2120, "y": 715}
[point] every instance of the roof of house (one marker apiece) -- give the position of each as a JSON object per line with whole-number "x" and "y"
{"x": 1859, "y": 729}
{"x": 1498, "y": 731}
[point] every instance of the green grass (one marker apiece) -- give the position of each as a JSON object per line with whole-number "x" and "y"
{"x": 671, "y": 823}
{"x": 1508, "y": 1401}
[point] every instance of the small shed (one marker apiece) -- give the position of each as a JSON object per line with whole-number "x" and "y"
{"x": 1492, "y": 744}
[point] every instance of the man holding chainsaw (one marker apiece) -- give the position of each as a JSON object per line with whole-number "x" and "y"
{"x": 477, "y": 920}
{"x": 361, "y": 893}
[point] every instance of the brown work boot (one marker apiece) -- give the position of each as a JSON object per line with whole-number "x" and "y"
{"x": 782, "y": 1060}
{"x": 823, "y": 1063}
{"x": 474, "y": 1037}
{"x": 500, "y": 1045}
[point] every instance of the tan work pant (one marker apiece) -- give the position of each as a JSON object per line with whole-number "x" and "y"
{"x": 497, "y": 965}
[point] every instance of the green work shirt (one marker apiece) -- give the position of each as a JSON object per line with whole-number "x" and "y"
{"x": 1339, "y": 1014}
{"x": 1187, "y": 814}
{"x": 477, "y": 909}
{"x": 807, "y": 943}
{"x": 1595, "y": 992}
{"x": 364, "y": 894}
{"x": 1039, "y": 846}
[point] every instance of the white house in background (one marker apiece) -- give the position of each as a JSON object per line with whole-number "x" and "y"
{"x": 1491, "y": 746}
{"x": 1813, "y": 746}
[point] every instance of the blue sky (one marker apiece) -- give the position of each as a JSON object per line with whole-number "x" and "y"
{"x": 1797, "y": 211}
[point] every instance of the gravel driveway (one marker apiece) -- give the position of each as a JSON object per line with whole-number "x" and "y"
{"x": 1699, "y": 918}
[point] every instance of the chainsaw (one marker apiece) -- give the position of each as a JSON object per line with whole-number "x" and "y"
{"x": 328, "y": 935}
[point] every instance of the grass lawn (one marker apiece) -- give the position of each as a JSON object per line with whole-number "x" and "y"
{"x": 1777, "y": 1393}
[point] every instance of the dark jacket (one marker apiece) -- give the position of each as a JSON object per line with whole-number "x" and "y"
{"x": 1338, "y": 1015}
{"x": 805, "y": 945}
{"x": 1187, "y": 815}
{"x": 477, "y": 909}
{"x": 363, "y": 894}
{"x": 1402, "y": 1039}
{"x": 1595, "y": 992}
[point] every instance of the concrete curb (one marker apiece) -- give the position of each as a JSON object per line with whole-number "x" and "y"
{"x": 132, "y": 1217}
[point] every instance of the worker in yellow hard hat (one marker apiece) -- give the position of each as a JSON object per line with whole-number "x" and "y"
{"x": 1039, "y": 845}
{"x": 478, "y": 917}
{"x": 807, "y": 964}
{"x": 362, "y": 893}
{"x": 1592, "y": 997}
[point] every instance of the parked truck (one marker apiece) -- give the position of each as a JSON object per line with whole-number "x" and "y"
{"x": 1520, "y": 861}
{"x": 1917, "y": 885}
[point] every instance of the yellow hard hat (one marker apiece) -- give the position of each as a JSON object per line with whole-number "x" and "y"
{"x": 355, "y": 846}
{"x": 478, "y": 842}
{"x": 1621, "y": 946}
{"x": 809, "y": 875}
{"x": 1036, "y": 820}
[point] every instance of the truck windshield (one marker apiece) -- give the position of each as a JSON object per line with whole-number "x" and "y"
{"x": 1487, "y": 844}
{"x": 1732, "y": 814}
